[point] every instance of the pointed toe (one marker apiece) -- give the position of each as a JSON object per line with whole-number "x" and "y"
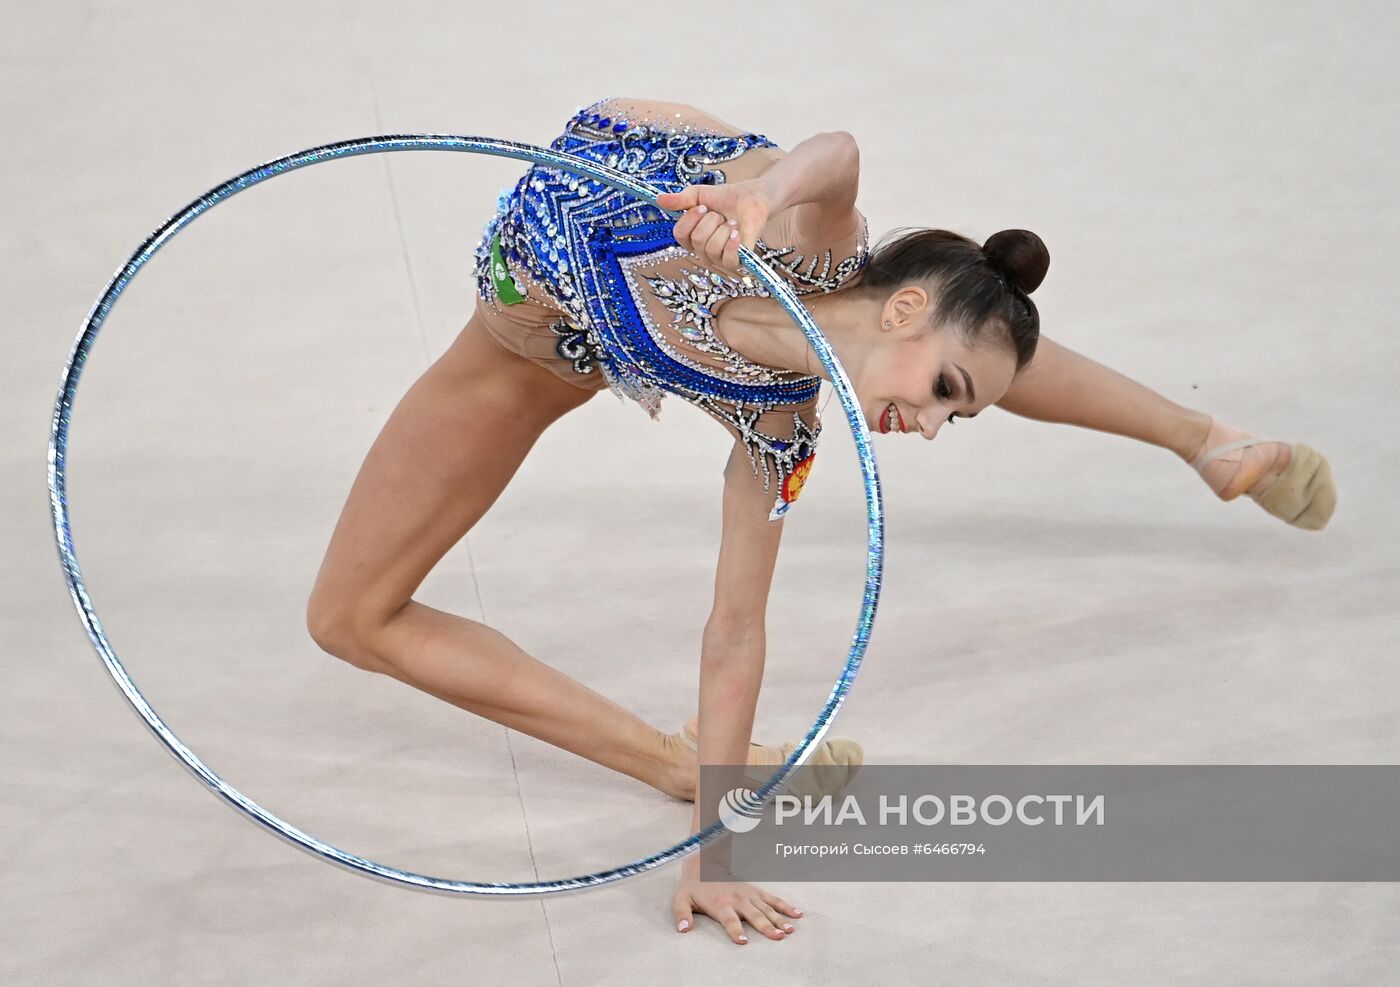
{"x": 1305, "y": 494}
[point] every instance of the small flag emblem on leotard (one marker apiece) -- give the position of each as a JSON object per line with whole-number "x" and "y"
{"x": 792, "y": 487}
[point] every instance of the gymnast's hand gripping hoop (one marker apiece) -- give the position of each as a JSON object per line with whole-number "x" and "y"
{"x": 57, "y": 477}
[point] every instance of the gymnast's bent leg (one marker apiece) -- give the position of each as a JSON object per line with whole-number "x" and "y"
{"x": 444, "y": 455}
{"x": 1062, "y": 386}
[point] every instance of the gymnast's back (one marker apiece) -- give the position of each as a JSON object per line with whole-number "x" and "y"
{"x": 590, "y": 283}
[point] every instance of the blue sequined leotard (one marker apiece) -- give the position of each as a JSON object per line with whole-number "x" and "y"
{"x": 633, "y": 310}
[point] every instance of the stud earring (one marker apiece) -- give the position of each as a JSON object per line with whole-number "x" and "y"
{"x": 887, "y": 323}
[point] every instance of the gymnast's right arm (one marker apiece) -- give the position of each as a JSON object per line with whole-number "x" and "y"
{"x": 821, "y": 177}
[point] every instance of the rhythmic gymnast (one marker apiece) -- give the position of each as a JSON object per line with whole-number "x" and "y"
{"x": 583, "y": 288}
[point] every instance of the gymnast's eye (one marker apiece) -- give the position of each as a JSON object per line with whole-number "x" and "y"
{"x": 945, "y": 392}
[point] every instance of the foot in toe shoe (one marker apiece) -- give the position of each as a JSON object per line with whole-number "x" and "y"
{"x": 1248, "y": 470}
{"x": 829, "y": 769}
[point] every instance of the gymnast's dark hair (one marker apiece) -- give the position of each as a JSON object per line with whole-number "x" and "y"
{"x": 980, "y": 289}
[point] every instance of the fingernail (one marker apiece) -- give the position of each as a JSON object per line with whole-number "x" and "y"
{"x": 787, "y": 928}
{"x": 702, "y": 208}
{"x": 796, "y": 909}
{"x": 733, "y": 222}
{"x": 743, "y": 938}
{"x": 683, "y": 925}
{"x": 733, "y": 234}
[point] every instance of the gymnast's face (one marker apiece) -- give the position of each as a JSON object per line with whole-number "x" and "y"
{"x": 915, "y": 377}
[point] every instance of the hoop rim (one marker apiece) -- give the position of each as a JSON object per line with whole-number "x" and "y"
{"x": 58, "y": 503}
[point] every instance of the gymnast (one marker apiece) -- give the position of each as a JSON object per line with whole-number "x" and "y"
{"x": 582, "y": 288}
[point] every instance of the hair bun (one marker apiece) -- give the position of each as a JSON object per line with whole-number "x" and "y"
{"x": 1020, "y": 255}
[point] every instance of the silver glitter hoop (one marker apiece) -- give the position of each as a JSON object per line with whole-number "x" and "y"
{"x": 58, "y": 503}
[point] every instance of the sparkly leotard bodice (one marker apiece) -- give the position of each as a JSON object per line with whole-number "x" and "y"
{"x": 636, "y": 309}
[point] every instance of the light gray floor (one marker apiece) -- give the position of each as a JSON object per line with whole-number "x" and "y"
{"x": 1216, "y": 186}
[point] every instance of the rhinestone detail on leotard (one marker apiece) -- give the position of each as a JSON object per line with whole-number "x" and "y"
{"x": 584, "y": 246}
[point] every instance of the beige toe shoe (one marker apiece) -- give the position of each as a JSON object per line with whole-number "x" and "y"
{"x": 831, "y": 767}
{"x": 1304, "y": 494}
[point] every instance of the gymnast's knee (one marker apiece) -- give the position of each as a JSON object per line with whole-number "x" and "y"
{"x": 338, "y": 631}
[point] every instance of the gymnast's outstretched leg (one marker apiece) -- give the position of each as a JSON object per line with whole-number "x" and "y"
{"x": 446, "y": 452}
{"x": 1060, "y": 385}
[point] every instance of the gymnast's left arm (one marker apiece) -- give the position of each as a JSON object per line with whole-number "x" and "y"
{"x": 734, "y": 644}
{"x": 731, "y": 674}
